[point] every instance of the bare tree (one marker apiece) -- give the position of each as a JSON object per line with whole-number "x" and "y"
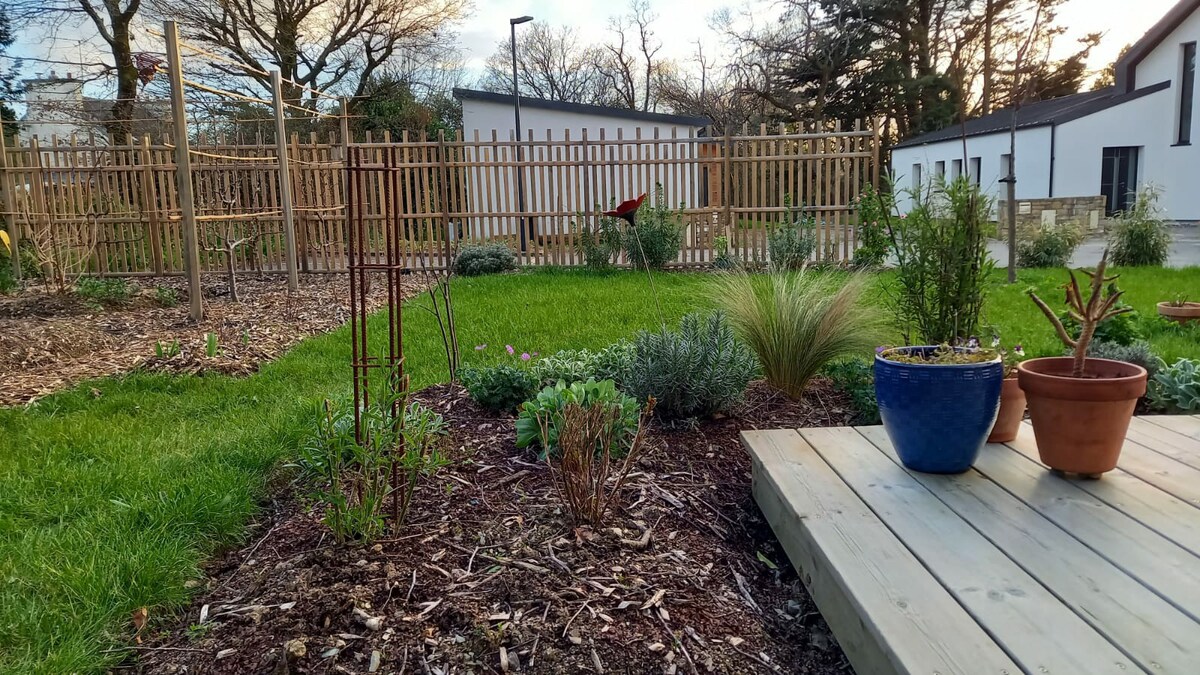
{"x": 313, "y": 43}
{"x": 631, "y": 67}
{"x": 552, "y": 63}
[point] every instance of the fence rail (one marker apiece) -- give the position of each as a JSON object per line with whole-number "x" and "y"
{"x": 115, "y": 205}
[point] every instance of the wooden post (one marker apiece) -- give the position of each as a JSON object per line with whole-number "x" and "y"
{"x": 730, "y": 230}
{"x": 183, "y": 172}
{"x": 285, "y": 181}
{"x": 150, "y": 202}
{"x": 10, "y": 209}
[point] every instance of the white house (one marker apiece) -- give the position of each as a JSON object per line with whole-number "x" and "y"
{"x": 1144, "y": 130}
{"x": 54, "y": 106}
{"x": 555, "y": 185}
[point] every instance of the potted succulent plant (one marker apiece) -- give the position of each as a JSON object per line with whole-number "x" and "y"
{"x": 938, "y": 404}
{"x": 1012, "y": 399}
{"x": 1180, "y": 310}
{"x": 1080, "y": 407}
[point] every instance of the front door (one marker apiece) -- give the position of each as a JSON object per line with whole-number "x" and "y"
{"x": 1118, "y": 179}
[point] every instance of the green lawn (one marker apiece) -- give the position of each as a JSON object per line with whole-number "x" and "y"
{"x": 108, "y": 502}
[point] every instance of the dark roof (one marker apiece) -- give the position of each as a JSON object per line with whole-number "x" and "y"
{"x": 541, "y": 103}
{"x": 1127, "y": 65}
{"x": 1036, "y": 114}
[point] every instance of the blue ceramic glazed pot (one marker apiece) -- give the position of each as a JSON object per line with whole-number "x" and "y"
{"x": 938, "y": 416}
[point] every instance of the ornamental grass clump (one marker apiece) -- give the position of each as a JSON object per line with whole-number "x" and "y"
{"x": 1100, "y": 306}
{"x": 796, "y": 323}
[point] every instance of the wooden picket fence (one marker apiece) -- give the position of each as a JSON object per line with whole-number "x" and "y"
{"x": 120, "y": 204}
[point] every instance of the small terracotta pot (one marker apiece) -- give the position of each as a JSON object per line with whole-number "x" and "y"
{"x": 1080, "y": 422}
{"x": 1188, "y": 311}
{"x": 1012, "y": 411}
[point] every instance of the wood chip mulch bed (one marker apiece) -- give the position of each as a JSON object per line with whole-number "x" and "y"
{"x": 490, "y": 576}
{"x": 51, "y": 341}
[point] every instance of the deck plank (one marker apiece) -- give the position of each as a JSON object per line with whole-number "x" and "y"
{"x": 1162, "y": 512}
{"x": 1168, "y": 475}
{"x": 1033, "y": 626}
{"x": 1159, "y": 563}
{"x": 1159, "y": 637}
{"x": 888, "y": 613}
{"x": 1159, "y": 432}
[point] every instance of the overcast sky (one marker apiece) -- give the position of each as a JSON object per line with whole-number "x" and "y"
{"x": 681, "y": 22}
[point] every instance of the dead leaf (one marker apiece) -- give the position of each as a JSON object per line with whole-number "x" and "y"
{"x": 140, "y": 615}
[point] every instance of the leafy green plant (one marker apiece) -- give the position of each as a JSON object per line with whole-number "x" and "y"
{"x": 1140, "y": 236}
{"x": 478, "y": 259}
{"x": 166, "y": 350}
{"x": 212, "y": 345}
{"x": 723, "y": 258}
{"x": 856, "y": 379}
{"x": 942, "y": 355}
{"x": 105, "y": 290}
{"x": 872, "y": 234}
{"x": 166, "y": 297}
{"x": 355, "y": 478}
{"x": 796, "y": 323}
{"x": 655, "y": 240}
{"x": 695, "y": 371}
{"x": 599, "y": 245}
{"x": 1177, "y": 386}
{"x": 942, "y": 261}
{"x": 790, "y": 245}
{"x": 502, "y": 387}
{"x": 588, "y": 437}
{"x": 1049, "y": 246}
{"x": 540, "y": 419}
{"x": 575, "y": 365}
{"x": 1138, "y": 352}
{"x": 1100, "y": 306}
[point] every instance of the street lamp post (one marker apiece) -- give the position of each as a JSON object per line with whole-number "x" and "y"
{"x": 512, "y": 23}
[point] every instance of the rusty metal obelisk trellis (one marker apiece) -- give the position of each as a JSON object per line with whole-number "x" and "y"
{"x": 378, "y": 365}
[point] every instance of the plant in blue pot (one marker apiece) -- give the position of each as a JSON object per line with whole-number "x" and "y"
{"x": 938, "y": 402}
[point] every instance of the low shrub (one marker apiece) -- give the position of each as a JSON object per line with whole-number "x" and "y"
{"x": 588, "y": 439}
{"x": 695, "y": 371}
{"x": 576, "y": 365}
{"x": 1176, "y": 388}
{"x": 1050, "y": 246}
{"x": 856, "y": 379}
{"x": 656, "y": 238}
{"x": 1137, "y": 352}
{"x": 356, "y": 480}
{"x": 504, "y": 387}
{"x": 724, "y": 258}
{"x": 478, "y": 259}
{"x": 872, "y": 234}
{"x": 1140, "y": 236}
{"x": 796, "y": 323}
{"x": 600, "y": 245}
{"x": 105, "y": 290}
{"x": 540, "y": 420}
{"x": 166, "y": 297}
{"x": 791, "y": 245}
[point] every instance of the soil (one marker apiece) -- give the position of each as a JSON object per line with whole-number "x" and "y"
{"x": 50, "y": 341}
{"x": 491, "y": 576}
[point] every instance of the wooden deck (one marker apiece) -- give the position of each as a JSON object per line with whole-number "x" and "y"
{"x": 1004, "y": 569}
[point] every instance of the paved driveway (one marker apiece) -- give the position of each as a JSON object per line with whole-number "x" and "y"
{"x": 1185, "y": 250}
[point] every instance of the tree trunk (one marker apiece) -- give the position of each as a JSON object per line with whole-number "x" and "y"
{"x": 120, "y": 126}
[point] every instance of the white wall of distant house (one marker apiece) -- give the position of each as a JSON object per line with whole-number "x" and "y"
{"x": 484, "y": 116}
{"x": 1033, "y": 166}
{"x": 1148, "y": 124}
{"x": 52, "y": 108}
{"x": 480, "y": 118}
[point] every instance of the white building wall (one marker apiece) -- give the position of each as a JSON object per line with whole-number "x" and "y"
{"x": 484, "y": 116}
{"x": 53, "y": 106}
{"x": 1033, "y": 164}
{"x": 1164, "y": 62}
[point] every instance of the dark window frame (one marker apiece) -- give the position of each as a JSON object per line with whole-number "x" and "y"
{"x": 1187, "y": 94}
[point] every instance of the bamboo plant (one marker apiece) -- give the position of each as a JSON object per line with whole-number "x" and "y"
{"x": 1100, "y": 306}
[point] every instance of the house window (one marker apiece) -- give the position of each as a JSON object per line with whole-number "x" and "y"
{"x": 976, "y": 169}
{"x": 1187, "y": 93}
{"x": 939, "y": 169}
{"x": 1005, "y": 165}
{"x": 916, "y": 177}
{"x": 1118, "y": 178}
{"x": 955, "y": 169}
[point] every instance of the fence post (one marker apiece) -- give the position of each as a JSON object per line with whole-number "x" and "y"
{"x": 285, "y": 181}
{"x": 10, "y": 211}
{"x": 183, "y": 173}
{"x": 150, "y": 202}
{"x": 730, "y": 230}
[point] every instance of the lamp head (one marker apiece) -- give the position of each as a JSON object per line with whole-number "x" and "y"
{"x": 519, "y": 20}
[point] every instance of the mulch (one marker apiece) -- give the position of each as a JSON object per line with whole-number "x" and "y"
{"x": 51, "y": 341}
{"x": 491, "y": 576}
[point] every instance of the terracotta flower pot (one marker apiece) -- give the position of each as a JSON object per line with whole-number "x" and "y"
{"x": 1012, "y": 411}
{"x": 1188, "y": 311}
{"x": 1080, "y": 422}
